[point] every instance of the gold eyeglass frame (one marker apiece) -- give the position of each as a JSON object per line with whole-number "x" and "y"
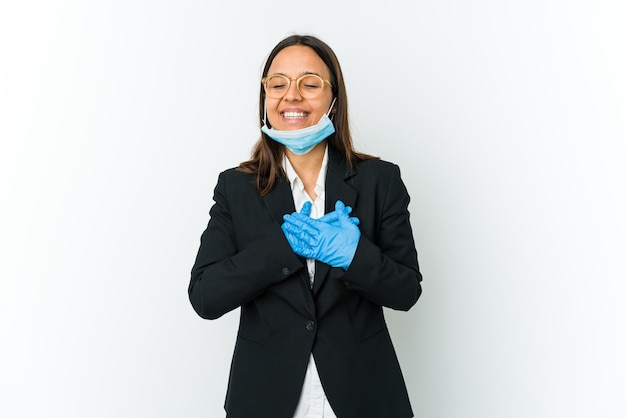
{"x": 265, "y": 79}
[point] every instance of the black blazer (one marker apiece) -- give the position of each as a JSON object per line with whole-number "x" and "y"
{"x": 245, "y": 261}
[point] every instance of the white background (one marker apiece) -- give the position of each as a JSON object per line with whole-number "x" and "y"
{"x": 508, "y": 119}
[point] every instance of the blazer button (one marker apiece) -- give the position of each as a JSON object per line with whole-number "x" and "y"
{"x": 285, "y": 271}
{"x": 310, "y": 325}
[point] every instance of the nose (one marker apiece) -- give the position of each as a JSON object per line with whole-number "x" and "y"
{"x": 292, "y": 92}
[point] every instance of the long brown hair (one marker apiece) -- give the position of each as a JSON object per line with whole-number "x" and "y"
{"x": 267, "y": 155}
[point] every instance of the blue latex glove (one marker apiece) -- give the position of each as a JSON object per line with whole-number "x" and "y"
{"x": 331, "y": 217}
{"x": 332, "y": 241}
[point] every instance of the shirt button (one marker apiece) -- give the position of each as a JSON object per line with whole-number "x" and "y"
{"x": 310, "y": 325}
{"x": 285, "y": 271}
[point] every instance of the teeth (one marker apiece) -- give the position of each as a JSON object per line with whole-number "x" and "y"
{"x": 293, "y": 114}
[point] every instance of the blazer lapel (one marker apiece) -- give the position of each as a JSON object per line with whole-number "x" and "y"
{"x": 336, "y": 189}
{"x": 279, "y": 200}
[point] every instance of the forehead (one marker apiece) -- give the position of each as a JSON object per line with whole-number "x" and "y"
{"x": 296, "y": 60}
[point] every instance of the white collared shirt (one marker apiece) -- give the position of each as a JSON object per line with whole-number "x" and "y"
{"x": 313, "y": 402}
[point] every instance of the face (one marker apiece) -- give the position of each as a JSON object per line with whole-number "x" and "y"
{"x": 294, "y": 111}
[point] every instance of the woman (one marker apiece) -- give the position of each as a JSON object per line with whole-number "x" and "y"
{"x": 311, "y": 239}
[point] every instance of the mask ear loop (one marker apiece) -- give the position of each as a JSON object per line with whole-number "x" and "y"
{"x": 331, "y": 109}
{"x": 265, "y": 112}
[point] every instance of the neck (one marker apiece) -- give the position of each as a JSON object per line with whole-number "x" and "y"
{"x": 308, "y": 166}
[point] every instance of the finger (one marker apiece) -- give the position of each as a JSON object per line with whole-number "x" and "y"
{"x": 298, "y": 247}
{"x": 303, "y": 221}
{"x": 351, "y": 221}
{"x": 306, "y": 208}
{"x": 300, "y": 233}
{"x": 330, "y": 217}
{"x": 342, "y": 208}
{"x": 292, "y": 239}
{"x": 334, "y": 215}
{"x": 344, "y": 215}
{"x": 303, "y": 231}
{"x": 304, "y": 251}
{"x": 343, "y": 211}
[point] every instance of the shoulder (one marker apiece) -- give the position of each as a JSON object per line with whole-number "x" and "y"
{"x": 233, "y": 174}
{"x": 375, "y": 167}
{"x": 378, "y": 177}
{"x": 233, "y": 179}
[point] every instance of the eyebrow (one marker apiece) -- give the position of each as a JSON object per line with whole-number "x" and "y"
{"x": 300, "y": 75}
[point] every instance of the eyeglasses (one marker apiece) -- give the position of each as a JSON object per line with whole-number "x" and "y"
{"x": 309, "y": 85}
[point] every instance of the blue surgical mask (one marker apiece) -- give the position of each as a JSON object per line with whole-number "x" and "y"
{"x": 302, "y": 140}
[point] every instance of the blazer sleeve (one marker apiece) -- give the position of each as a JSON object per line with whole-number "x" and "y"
{"x": 385, "y": 269}
{"x": 228, "y": 274}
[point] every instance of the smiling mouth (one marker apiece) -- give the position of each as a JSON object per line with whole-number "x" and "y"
{"x": 294, "y": 115}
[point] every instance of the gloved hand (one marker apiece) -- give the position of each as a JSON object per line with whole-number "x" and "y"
{"x": 332, "y": 241}
{"x": 331, "y": 217}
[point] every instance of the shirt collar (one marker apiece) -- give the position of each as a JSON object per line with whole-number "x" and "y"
{"x": 294, "y": 179}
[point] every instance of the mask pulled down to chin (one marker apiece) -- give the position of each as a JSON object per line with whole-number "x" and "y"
{"x": 301, "y": 141}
